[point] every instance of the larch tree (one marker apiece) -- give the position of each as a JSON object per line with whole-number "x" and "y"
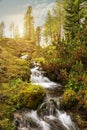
{"x": 54, "y": 23}
{"x": 38, "y": 35}
{"x": 28, "y": 24}
{"x": 16, "y": 32}
{"x": 12, "y": 28}
{"x": 58, "y": 22}
{"x": 2, "y": 26}
{"x": 48, "y": 26}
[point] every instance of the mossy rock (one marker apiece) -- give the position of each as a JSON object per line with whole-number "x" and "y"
{"x": 31, "y": 96}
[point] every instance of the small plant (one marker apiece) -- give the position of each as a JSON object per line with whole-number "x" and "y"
{"x": 69, "y": 97}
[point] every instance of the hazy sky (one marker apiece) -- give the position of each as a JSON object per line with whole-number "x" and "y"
{"x": 14, "y": 10}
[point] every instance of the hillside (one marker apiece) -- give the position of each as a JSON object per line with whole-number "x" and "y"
{"x": 11, "y": 65}
{"x": 15, "y": 78}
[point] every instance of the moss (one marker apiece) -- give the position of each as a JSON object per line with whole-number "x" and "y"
{"x": 22, "y": 94}
{"x": 16, "y": 96}
{"x": 31, "y": 96}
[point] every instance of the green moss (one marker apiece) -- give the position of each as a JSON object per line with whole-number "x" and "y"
{"x": 31, "y": 96}
{"x": 16, "y": 96}
{"x": 22, "y": 94}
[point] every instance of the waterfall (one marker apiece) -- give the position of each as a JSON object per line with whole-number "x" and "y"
{"x": 37, "y": 78}
{"x": 47, "y": 116}
{"x": 41, "y": 123}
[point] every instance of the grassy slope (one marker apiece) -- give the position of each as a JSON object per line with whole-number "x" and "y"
{"x": 13, "y": 71}
{"x": 11, "y": 66}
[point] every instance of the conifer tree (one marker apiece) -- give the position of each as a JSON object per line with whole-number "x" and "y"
{"x": 54, "y": 23}
{"x": 28, "y": 24}
{"x": 2, "y": 26}
{"x": 11, "y": 28}
{"x": 16, "y": 32}
{"x": 48, "y": 25}
{"x": 74, "y": 15}
{"x": 58, "y": 16}
{"x": 38, "y": 35}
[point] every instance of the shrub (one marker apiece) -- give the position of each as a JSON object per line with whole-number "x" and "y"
{"x": 5, "y": 124}
{"x": 82, "y": 98}
{"x": 69, "y": 97}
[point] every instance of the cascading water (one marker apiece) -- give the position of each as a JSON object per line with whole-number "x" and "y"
{"x": 47, "y": 116}
{"x": 38, "y": 79}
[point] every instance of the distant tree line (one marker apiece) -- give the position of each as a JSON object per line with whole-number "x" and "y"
{"x": 30, "y": 33}
{"x": 66, "y": 20}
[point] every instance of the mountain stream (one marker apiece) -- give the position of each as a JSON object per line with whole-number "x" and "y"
{"x": 48, "y": 116}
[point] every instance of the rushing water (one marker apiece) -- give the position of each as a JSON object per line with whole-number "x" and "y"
{"x": 38, "y": 79}
{"x": 47, "y": 116}
{"x": 24, "y": 57}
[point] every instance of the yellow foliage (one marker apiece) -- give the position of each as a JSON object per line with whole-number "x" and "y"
{"x": 40, "y": 60}
{"x": 69, "y": 96}
{"x": 30, "y": 96}
{"x": 82, "y": 98}
{"x": 5, "y": 124}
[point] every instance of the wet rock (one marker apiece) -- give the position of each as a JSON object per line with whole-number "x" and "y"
{"x": 47, "y": 108}
{"x": 55, "y": 91}
{"x": 32, "y": 123}
{"x": 54, "y": 123}
{"x": 17, "y": 122}
{"x": 24, "y": 122}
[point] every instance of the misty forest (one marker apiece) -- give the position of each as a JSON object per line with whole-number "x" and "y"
{"x": 43, "y": 70}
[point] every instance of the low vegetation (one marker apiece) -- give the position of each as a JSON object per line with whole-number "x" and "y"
{"x": 68, "y": 65}
{"x": 16, "y": 92}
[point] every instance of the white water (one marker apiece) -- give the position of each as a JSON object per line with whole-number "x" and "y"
{"x": 38, "y": 79}
{"x": 62, "y": 117}
{"x": 33, "y": 115}
{"x": 53, "y": 120}
{"x": 66, "y": 120}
